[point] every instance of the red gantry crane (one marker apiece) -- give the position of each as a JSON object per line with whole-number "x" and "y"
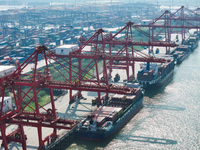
{"x": 76, "y": 74}
{"x": 25, "y": 89}
{"x": 78, "y": 71}
{"x": 120, "y": 52}
{"x": 178, "y": 22}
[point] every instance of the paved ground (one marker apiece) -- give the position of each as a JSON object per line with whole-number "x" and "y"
{"x": 78, "y": 110}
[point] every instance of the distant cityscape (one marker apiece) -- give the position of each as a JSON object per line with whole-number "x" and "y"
{"x": 24, "y": 28}
{"x": 46, "y": 2}
{"x": 56, "y": 24}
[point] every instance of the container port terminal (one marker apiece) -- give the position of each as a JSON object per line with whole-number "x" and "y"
{"x": 60, "y": 76}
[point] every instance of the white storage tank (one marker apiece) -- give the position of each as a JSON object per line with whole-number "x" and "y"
{"x": 7, "y": 104}
{"x": 66, "y": 49}
{"x": 6, "y": 70}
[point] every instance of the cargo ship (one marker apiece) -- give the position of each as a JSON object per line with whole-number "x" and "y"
{"x": 155, "y": 74}
{"x": 181, "y": 53}
{"x": 192, "y": 42}
{"x": 111, "y": 117}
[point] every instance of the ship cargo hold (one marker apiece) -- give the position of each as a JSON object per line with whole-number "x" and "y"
{"x": 181, "y": 53}
{"x": 111, "y": 117}
{"x": 155, "y": 74}
{"x": 192, "y": 42}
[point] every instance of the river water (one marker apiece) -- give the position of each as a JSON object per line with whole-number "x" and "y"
{"x": 170, "y": 118}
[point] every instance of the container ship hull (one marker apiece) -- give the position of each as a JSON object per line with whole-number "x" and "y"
{"x": 121, "y": 121}
{"x": 155, "y": 75}
{"x": 192, "y": 42}
{"x": 179, "y": 60}
{"x": 158, "y": 83}
{"x": 194, "y": 46}
{"x": 181, "y": 53}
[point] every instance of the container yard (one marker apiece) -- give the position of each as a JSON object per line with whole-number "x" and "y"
{"x": 70, "y": 73}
